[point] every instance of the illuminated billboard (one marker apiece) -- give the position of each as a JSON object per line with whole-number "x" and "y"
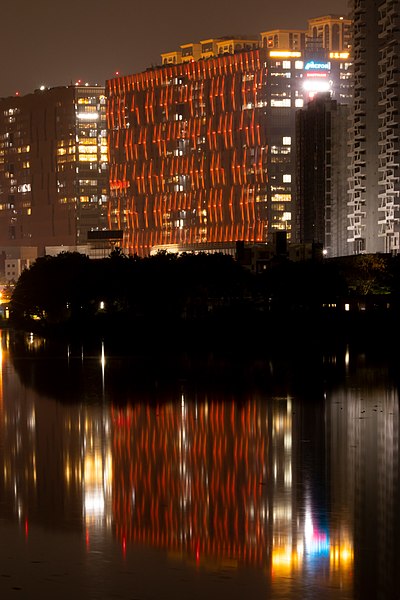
{"x": 313, "y": 65}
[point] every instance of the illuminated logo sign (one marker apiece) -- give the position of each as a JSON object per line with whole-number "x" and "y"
{"x": 312, "y": 65}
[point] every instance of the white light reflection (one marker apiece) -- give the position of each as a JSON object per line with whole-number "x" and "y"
{"x": 94, "y": 503}
{"x": 308, "y": 528}
{"x": 103, "y": 364}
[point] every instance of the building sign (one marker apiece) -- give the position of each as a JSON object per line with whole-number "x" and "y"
{"x": 313, "y": 65}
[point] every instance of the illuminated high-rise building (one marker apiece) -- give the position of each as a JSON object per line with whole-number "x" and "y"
{"x": 321, "y": 136}
{"x": 328, "y": 61}
{"x": 53, "y": 167}
{"x": 200, "y": 151}
{"x": 374, "y": 207}
{"x": 322, "y": 170}
{"x": 202, "y": 148}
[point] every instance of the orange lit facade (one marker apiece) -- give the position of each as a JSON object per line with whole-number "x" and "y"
{"x": 200, "y": 152}
{"x": 201, "y": 148}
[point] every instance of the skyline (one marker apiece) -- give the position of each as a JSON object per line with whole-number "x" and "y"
{"x": 82, "y": 46}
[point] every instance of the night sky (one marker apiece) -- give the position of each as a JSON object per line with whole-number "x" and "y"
{"x": 52, "y": 42}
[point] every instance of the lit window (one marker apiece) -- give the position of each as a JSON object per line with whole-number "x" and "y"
{"x": 299, "y": 102}
{"x": 88, "y": 157}
{"x": 287, "y": 141}
{"x": 281, "y": 103}
{"x": 298, "y": 64}
{"x": 25, "y": 187}
{"x": 286, "y": 64}
{"x": 87, "y": 149}
{"x": 287, "y": 179}
{"x": 281, "y": 198}
{"x": 88, "y": 116}
{"x": 279, "y": 226}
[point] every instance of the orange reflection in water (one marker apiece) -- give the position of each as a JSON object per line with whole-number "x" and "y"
{"x": 212, "y": 482}
{"x": 218, "y": 484}
{"x": 192, "y": 478}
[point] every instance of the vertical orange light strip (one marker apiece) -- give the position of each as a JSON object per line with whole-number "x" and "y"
{"x": 212, "y": 169}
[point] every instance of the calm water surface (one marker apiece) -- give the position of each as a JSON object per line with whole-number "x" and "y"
{"x": 284, "y": 486}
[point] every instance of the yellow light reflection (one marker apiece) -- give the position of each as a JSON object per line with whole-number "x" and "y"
{"x": 341, "y": 556}
{"x": 2, "y": 356}
{"x": 284, "y": 560}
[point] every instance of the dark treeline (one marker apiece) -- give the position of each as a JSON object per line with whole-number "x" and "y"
{"x": 199, "y": 298}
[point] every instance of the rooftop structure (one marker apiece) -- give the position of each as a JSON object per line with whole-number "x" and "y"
{"x": 332, "y": 31}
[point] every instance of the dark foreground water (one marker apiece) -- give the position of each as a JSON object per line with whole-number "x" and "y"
{"x": 204, "y": 478}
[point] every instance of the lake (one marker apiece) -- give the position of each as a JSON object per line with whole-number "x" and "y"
{"x": 213, "y": 476}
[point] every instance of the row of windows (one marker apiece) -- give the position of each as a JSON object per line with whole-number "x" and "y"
{"x": 92, "y": 100}
{"x": 286, "y": 64}
{"x": 286, "y": 102}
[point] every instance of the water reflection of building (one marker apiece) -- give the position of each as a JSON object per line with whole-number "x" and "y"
{"x": 342, "y": 472}
{"x": 287, "y": 550}
{"x": 18, "y": 475}
{"x": 55, "y": 460}
{"x": 96, "y": 470}
{"x": 363, "y": 425}
{"x": 305, "y": 489}
{"x": 210, "y": 480}
{"x": 217, "y": 482}
{"x": 192, "y": 479}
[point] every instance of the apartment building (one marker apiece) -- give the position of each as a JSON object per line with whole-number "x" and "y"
{"x": 53, "y": 166}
